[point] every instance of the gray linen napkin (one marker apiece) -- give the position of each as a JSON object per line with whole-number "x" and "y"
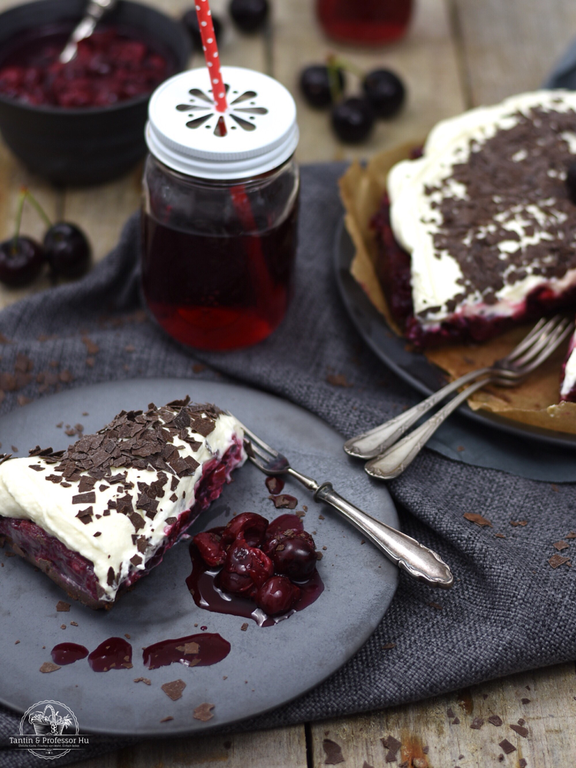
{"x": 509, "y": 610}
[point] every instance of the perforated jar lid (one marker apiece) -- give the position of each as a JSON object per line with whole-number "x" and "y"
{"x": 257, "y": 133}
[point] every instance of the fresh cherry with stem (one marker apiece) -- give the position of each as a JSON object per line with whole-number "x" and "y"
{"x": 66, "y": 247}
{"x": 21, "y": 258}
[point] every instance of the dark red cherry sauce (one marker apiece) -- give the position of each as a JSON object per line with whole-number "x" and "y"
{"x": 206, "y": 594}
{"x": 201, "y": 650}
{"x": 114, "y": 653}
{"x": 67, "y": 653}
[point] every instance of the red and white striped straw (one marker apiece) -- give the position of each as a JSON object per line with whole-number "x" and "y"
{"x": 211, "y": 54}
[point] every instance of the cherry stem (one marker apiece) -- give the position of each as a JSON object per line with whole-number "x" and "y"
{"x": 38, "y": 207}
{"x": 333, "y": 79}
{"x": 340, "y": 63}
{"x": 20, "y": 208}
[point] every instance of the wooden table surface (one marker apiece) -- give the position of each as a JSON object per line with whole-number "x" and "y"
{"x": 457, "y": 54}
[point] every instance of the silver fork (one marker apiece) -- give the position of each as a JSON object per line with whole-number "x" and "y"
{"x": 524, "y": 358}
{"x": 393, "y": 461}
{"x": 418, "y": 561}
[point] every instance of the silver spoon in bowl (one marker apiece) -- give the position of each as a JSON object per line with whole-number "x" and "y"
{"x": 94, "y": 12}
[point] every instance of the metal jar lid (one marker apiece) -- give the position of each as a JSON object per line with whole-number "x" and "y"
{"x": 257, "y": 133}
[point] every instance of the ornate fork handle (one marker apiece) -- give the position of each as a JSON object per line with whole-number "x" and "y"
{"x": 417, "y": 560}
{"x": 395, "y": 460}
{"x": 414, "y": 558}
{"x": 377, "y": 440}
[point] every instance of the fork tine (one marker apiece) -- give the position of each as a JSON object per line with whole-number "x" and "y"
{"x": 560, "y": 335}
{"x": 541, "y": 344}
{"x": 256, "y": 440}
{"x": 541, "y": 328}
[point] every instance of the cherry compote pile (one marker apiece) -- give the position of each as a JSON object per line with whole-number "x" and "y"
{"x": 109, "y": 67}
{"x": 264, "y": 562}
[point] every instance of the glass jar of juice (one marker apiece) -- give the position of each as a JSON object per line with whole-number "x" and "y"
{"x": 220, "y": 208}
{"x": 370, "y": 21}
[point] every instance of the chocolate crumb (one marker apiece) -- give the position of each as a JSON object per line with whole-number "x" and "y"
{"x": 203, "y": 712}
{"x": 526, "y": 701}
{"x": 520, "y": 730}
{"x": 556, "y": 560}
{"x": 17, "y": 642}
{"x": 506, "y": 747}
{"x": 570, "y": 535}
{"x": 522, "y": 763}
{"x": 392, "y": 745}
{"x": 73, "y": 623}
{"x": 499, "y": 536}
{"x": 244, "y": 627}
{"x": 333, "y": 752}
{"x": 127, "y": 636}
{"x": 516, "y": 523}
{"x": 62, "y": 606}
{"x": 560, "y": 545}
{"x": 473, "y": 517}
{"x": 437, "y": 606}
{"x": 284, "y": 501}
{"x": 477, "y": 723}
{"x": 456, "y": 721}
{"x": 450, "y": 712}
{"x": 521, "y": 721}
{"x": 174, "y": 689}
{"x": 495, "y": 720}
{"x": 62, "y": 626}
{"x": 338, "y": 380}
{"x": 144, "y": 680}
{"x": 167, "y": 719}
{"x": 388, "y": 646}
{"x": 49, "y": 666}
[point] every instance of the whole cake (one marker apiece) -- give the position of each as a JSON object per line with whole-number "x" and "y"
{"x": 98, "y": 516}
{"x": 479, "y": 233}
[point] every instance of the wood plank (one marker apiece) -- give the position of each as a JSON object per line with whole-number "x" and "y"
{"x": 426, "y": 60}
{"x": 544, "y": 700}
{"x": 264, "y": 749}
{"x": 509, "y": 47}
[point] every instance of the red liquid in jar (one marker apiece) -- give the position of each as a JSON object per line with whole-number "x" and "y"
{"x": 369, "y": 21}
{"x": 218, "y": 292}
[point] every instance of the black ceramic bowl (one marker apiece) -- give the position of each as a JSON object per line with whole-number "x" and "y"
{"x": 88, "y": 145}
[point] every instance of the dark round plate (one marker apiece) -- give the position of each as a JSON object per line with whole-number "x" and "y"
{"x": 413, "y": 367}
{"x": 266, "y": 666}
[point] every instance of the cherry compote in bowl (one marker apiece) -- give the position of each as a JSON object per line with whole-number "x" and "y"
{"x": 74, "y": 133}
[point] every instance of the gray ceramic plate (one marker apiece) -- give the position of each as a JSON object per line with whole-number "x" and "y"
{"x": 266, "y": 667}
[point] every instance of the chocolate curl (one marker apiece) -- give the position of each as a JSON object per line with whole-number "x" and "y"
{"x": 211, "y": 54}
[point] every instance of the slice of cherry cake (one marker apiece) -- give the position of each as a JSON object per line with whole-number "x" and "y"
{"x": 479, "y": 233}
{"x": 568, "y": 377}
{"x": 98, "y": 516}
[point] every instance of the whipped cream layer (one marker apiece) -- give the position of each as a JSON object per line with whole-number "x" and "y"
{"x": 112, "y": 497}
{"x": 568, "y": 383}
{"x": 484, "y": 212}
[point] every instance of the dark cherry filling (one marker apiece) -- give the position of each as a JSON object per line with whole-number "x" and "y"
{"x": 75, "y": 573}
{"x": 111, "y": 66}
{"x": 200, "y": 650}
{"x": 394, "y": 270}
{"x": 114, "y": 653}
{"x": 67, "y": 653}
{"x": 256, "y": 582}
